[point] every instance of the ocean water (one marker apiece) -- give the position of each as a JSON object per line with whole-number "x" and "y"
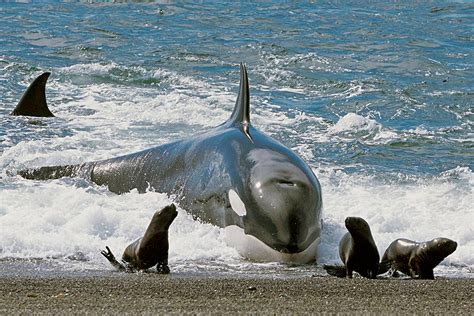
{"x": 376, "y": 97}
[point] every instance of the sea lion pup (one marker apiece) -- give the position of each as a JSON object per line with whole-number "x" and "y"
{"x": 357, "y": 251}
{"x": 417, "y": 259}
{"x": 151, "y": 249}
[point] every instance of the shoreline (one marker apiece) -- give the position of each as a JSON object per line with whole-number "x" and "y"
{"x": 114, "y": 292}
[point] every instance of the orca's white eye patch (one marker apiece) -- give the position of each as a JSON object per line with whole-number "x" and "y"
{"x": 236, "y": 203}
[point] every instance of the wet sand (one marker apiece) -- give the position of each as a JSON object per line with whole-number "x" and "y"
{"x": 150, "y": 293}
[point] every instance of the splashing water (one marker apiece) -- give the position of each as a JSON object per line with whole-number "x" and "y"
{"x": 378, "y": 101}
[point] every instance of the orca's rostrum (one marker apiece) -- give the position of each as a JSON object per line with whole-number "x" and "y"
{"x": 264, "y": 195}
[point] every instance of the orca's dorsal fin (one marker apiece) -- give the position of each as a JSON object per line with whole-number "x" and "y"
{"x": 241, "y": 115}
{"x": 33, "y": 101}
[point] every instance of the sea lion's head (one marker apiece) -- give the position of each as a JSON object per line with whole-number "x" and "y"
{"x": 163, "y": 218}
{"x": 441, "y": 247}
{"x": 357, "y": 226}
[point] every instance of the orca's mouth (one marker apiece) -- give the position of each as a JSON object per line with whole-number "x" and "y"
{"x": 287, "y": 248}
{"x": 299, "y": 240}
{"x": 253, "y": 248}
{"x": 291, "y": 248}
{"x": 296, "y": 244}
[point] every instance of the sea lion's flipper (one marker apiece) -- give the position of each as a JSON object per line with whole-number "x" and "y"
{"x": 33, "y": 101}
{"x": 349, "y": 272}
{"x": 337, "y": 271}
{"x": 384, "y": 266}
{"x": 110, "y": 256}
{"x": 426, "y": 274}
{"x": 162, "y": 267}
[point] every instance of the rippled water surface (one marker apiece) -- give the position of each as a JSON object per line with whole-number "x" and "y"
{"x": 377, "y": 98}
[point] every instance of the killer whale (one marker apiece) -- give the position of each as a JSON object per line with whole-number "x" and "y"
{"x": 266, "y": 198}
{"x": 33, "y": 102}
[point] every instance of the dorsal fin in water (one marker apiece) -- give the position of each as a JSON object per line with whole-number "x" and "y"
{"x": 241, "y": 115}
{"x": 33, "y": 101}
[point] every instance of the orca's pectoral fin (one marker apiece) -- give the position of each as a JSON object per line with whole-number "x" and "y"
{"x": 110, "y": 256}
{"x": 335, "y": 270}
{"x": 33, "y": 101}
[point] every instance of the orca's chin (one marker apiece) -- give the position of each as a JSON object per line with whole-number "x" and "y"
{"x": 254, "y": 249}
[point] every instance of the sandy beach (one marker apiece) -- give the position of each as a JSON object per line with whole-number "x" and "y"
{"x": 113, "y": 293}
